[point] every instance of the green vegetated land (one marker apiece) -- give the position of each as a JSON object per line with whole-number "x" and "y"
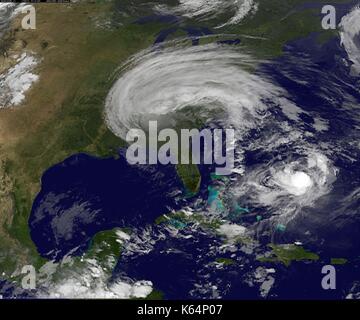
{"x": 104, "y": 248}
{"x": 338, "y": 261}
{"x": 288, "y": 253}
{"x": 278, "y": 22}
{"x": 63, "y": 114}
{"x": 225, "y": 261}
{"x": 181, "y": 220}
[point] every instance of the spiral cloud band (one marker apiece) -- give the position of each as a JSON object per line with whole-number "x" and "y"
{"x": 211, "y": 77}
{"x": 350, "y": 33}
{"x": 208, "y": 77}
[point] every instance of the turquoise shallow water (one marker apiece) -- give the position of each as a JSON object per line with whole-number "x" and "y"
{"x": 84, "y": 195}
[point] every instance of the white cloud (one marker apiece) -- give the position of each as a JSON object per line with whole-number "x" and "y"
{"x": 17, "y": 81}
{"x": 206, "y": 78}
{"x": 350, "y": 31}
{"x": 204, "y": 9}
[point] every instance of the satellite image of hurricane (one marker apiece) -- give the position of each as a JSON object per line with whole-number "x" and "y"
{"x": 78, "y": 220}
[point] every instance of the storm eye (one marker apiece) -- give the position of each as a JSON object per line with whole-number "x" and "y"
{"x": 301, "y": 181}
{"x": 296, "y": 183}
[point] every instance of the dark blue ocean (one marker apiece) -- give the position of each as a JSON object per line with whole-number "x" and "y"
{"x": 84, "y": 195}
